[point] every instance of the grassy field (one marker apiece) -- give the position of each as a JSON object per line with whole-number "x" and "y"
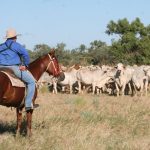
{"x": 81, "y": 122}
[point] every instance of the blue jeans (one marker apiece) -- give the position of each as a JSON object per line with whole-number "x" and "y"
{"x": 29, "y": 80}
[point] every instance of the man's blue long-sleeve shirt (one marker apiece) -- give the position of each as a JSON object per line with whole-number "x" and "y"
{"x": 11, "y": 56}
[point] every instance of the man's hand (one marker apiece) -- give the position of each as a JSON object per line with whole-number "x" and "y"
{"x": 22, "y": 68}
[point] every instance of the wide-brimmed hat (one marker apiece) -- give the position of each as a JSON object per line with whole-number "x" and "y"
{"x": 10, "y": 33}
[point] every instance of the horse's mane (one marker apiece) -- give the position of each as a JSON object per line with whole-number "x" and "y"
{"x": 36, "y": 60}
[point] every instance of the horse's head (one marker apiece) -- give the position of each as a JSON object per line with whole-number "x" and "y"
{"x": 53, "y": 67}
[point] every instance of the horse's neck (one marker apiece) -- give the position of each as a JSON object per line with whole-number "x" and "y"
{"x": 37, "y": 68}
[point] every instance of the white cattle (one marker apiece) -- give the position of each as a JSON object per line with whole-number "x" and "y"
{"x": 140, "y": 80}
{"x": 123, "y": 77}
{"x": 108, "y": 81}
{"x": 101, "y": 84}
{"x": 93, "y": 67}
{"x": 70, "y": 78}
{"x": 91, "y": 77}
{"x": 42, "y": 81}
{"x": 47, "y": 79}
{"x": 106, "y": 68}
{"x": 147, "y": 73}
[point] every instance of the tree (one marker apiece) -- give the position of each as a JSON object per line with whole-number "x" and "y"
{"x": 41, "y": 49}
{"x": 99, "y": 52}
{"x": 82, "y": 48}
{"x": 133, "y": 43}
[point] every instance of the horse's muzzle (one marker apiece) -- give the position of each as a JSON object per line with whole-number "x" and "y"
{"x": 61, "y": 77}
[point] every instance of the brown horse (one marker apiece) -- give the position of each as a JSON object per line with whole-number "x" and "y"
{"x": 11, "y": 96}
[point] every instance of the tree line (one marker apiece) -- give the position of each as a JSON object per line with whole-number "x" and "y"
{"x": 131, "y": 45}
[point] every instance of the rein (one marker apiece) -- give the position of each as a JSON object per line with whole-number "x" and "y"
{"x": 51, "y": 61}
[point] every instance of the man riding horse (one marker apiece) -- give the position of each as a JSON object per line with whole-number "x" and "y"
{"x": 14, "y": 56}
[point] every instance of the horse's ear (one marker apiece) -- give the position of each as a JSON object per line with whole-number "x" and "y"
{"x": 52, "y": 52}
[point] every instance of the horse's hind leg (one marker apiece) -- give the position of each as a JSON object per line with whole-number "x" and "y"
{"x": 29, "y": 122}
{"x": 19, "y": 120}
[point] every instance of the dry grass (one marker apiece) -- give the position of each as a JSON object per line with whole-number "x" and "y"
{"x": 81, "y": 122}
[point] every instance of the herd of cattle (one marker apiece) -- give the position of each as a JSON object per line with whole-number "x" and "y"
{"x": 116, "y": 80}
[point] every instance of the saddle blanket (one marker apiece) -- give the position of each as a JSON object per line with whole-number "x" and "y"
{"x": 15, "y": 81}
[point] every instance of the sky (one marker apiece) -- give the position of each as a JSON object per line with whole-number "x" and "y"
{"x": 73, "y": 22}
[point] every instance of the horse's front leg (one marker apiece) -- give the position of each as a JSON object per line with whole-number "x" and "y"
{"x": 29, "y": 122}
{"x": 19, "y": 120}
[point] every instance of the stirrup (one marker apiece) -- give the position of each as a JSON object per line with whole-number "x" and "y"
{"x": 31, "y": 108}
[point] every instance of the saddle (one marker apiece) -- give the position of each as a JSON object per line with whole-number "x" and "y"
{"x": 15, "y": 81}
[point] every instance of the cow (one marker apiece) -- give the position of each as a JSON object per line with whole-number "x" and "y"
{"x": 70, "y": 77}
{"x": 48, "y": 80}
{"x": 123, "y": 78}
{"x": 90, "y": 77}
{"x": 140, "y": 80}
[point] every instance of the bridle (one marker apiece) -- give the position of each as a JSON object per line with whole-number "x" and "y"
{"x": 51, "y": 62}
